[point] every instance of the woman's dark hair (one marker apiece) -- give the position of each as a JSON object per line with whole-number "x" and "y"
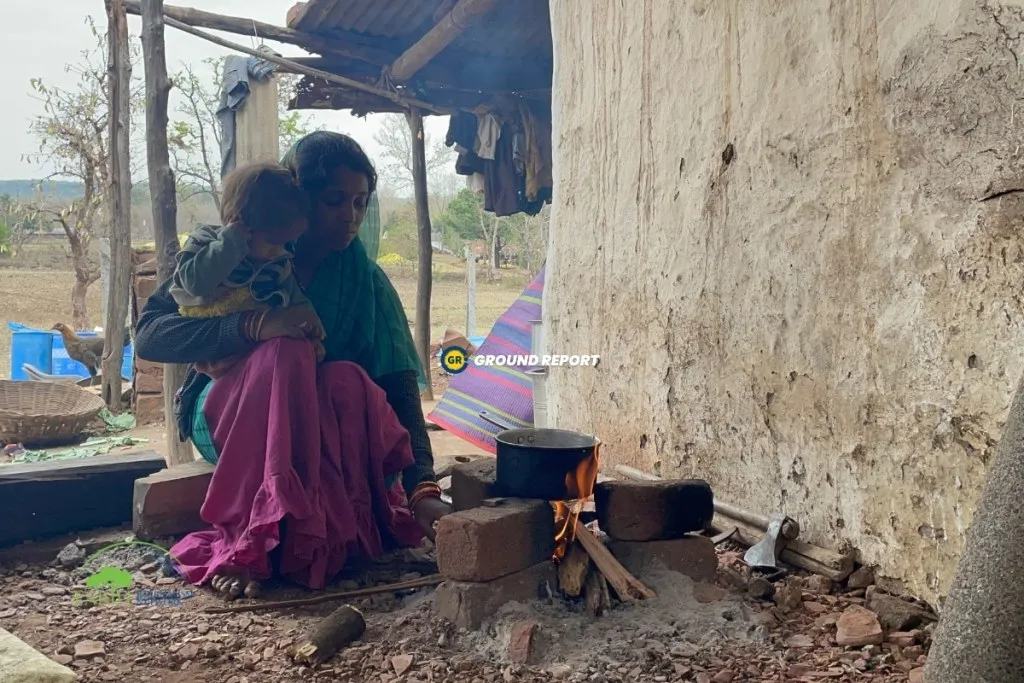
{"x": 264, "y": 197}
{"x": 316, "y": 157}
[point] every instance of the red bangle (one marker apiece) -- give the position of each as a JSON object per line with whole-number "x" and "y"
{"x": 427, "y": 489}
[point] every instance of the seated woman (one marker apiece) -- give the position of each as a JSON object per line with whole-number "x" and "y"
{"x": 320, "y": 465}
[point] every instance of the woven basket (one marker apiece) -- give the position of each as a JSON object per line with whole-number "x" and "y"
{"x": 44, "y": 412}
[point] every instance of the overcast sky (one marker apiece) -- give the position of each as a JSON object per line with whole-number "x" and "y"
{"x": 40, "y": 45}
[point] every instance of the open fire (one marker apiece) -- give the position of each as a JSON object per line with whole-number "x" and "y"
{"x": 580, "y": 485}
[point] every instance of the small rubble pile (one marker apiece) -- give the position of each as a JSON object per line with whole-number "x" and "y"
{"x": 495, "y": 551}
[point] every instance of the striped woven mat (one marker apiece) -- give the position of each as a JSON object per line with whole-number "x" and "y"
{"x": 504, "y": 392}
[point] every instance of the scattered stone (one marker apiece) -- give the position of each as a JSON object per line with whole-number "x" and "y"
{"x": 653, "y": 510}
{"x": 401, "y": 664}
{"x": 916, "y": 675}
{"x": 32, "y": 595}
{"x": 858, "y": 627}
{"x": 821, "y": 585}
{"x": 692, "y": 556}
{"x": 487, "y": 543}
{"x": 72, "y": 555}
{"x": 861, "y": 578}
{"x": 63, "y": 660}
{"x": 10, "y": 612}
{"x": 760, "y": 588}
{"x": 724, "y": 677}
{"x": 520, "y": 644}
{"x": 896, "y": 614}
{"x": 815, "y": 607}
{"x": 902, "y": 638}
{"x": 53, "y": 591}
{"x": 560, "y": 671}
{"x": 800, "y": 641}
{"x": 788, "y": 597}
{"x": 89, "y": 649}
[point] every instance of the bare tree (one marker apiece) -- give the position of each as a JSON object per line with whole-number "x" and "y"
{"x": 195, "y": 137}
{"x": 395, "y": 141}
{"x": 73, "y": 134}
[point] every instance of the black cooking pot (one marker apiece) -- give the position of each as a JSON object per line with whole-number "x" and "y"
{"x": 535, "y": 463}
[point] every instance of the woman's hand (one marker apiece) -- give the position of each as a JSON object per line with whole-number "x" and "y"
{"x": 428, "y": 511}
{"x": 296, "y": 322}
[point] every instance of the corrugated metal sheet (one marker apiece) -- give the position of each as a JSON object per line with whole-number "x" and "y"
{"x": 516, "y": 28}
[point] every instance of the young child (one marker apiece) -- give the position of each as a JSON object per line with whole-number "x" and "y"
{"x": 245, "y": 265}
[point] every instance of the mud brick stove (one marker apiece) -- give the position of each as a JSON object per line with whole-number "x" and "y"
{"x": 494, "y": 550}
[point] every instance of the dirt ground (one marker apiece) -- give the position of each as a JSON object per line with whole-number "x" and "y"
{"x": 688, "y": 633}
{"x": 38, "y": 295}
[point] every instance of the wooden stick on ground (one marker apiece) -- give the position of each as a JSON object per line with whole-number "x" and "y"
{"x": 626, "y": 586}
{"x": 343, "y": 626}
{"x": 424, "y": 582}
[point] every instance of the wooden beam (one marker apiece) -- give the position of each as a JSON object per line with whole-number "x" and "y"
{"x": 119, "y": 71}
{"x": 464, "y": 14}
{"x": 45, "y": 499}
{"x": 342, "y": 44}
{"x": 163, "y": 197}
{"x": 424, "y": 275}
{"x": 315, "y": 73}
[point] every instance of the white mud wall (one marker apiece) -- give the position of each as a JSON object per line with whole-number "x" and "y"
{"x": 792, "y": 231}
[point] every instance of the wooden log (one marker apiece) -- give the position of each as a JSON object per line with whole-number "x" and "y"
{"x": 598, "y": 600}
{"x": 627, "y": 587}
{"x": 748, "y": 536}
{"x": 45, "y": 499}
{"x": 573, "y": 570}
{"x": 464, "y": 14}
{"x": 162, "y": 193}
{"x": 424, "y": 266}
{"x": 119, "y": 199}
{"x": 344, "y": 625}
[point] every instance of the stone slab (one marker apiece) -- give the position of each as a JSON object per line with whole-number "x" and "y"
{"x": 168, "y": 503}
{"x": 20, "y": 663}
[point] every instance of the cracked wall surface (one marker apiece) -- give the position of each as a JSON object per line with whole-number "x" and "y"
{"x": 792, "y": 231}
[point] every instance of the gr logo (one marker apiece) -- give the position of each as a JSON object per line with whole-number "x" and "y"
{"x": 454, "y": 360}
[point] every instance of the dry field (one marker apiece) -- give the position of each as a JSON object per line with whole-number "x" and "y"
{"x": 35, "y": 291}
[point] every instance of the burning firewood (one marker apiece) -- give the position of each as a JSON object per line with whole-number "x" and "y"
{"x": 344, "y": 625}
{"x": 626, "y": 586}
{"x": 572, "y": 571}
{"x": 598, "y": 599}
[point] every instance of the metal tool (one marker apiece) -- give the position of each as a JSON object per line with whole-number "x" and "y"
{"x": 765, "y": 553}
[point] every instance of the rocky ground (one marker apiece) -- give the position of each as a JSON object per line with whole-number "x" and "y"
{"x": 802, "y": 628}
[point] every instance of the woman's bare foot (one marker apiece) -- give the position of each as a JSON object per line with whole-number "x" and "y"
{"x": 234, "y": 587}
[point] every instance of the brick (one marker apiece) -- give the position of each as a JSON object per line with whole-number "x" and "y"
{"x": 149, "y": 377}
{"x": 693, "y": 556}
{"x": 149, "y": 408}
{"x": 168, "y": 503}
{"x": 473, "y": 483}
{"x": 653, "y": 510}
{"x": 467, "y": 604}
{"x": 486, "y": 543}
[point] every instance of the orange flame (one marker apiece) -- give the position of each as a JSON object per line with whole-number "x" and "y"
{"x": 580, "y": 486}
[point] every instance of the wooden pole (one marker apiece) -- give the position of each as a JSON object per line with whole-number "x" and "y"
{"x": 424, "y": 279}
{"x": 340, "y": 44}
{"x": 464, "y": 14}
{"x": 470, "y": 293}
{"x": 162, "y": 196}
{"x": 350, "y": 83}
{"x": 119, "y": 71}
